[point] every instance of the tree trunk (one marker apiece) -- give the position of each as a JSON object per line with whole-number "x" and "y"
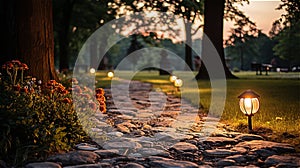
{"x": 35, "y": 38}
{"x": 64, "y": 33}
{"x": 213, "y": 28}
{"x": 188, "y": 44}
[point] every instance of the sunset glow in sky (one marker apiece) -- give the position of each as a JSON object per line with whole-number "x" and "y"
{"x": 263, "y": 13}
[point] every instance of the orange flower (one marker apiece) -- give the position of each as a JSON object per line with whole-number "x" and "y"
{"x": 101, "y": 98}
{"x": 67, "y": 100}
{"x": 102, "y": 103}
{"x": 100, "y": 91}
{"x": 102, "y": 109}
{"x": 64, "y": 92}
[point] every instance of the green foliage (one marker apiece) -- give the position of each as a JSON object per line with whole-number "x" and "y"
{"x": 38, "y": 120}
{"x": 288, "y": 38}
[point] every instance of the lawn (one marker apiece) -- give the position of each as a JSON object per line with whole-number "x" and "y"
{"x": 278, "y": 118}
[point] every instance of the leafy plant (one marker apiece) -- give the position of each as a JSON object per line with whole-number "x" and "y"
{"x": 38, "y": 120}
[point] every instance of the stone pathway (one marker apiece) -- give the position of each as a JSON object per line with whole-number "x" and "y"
{"x": 147, "y": 128}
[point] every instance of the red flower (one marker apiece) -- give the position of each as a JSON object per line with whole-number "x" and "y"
{"x": 17, "y": 87}
{"x": 24, "y": 66}
{"x": 24, "y": 89}
{"x": 67, "y": 100}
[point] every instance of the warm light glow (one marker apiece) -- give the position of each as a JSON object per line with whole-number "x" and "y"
{"x": 178, "y": 83}
{"x": 173, "y": 78}
{"x": 110, "y": 74}
{"x": 92, "y": 70}
{"x": 249, "y": 106}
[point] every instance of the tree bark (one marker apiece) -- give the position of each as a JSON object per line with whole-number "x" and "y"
{"x": 64, "y": 33}
{"x": 35, "y": 39}
{"x": 188, "y": 45}
{"x": 213, "y": 28}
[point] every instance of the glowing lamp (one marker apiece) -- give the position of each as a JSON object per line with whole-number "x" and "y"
{"x": 173, "y": 78}
{"x": 92, "y": 70}
{"x": 178, "y": 83}
{"x": 249, "y": 105}
{"x": 110, "y": 74}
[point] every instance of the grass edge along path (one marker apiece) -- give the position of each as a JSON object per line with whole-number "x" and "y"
{"x": 278, "y": 118}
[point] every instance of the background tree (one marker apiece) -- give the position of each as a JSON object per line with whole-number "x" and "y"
{"x": 214, "y": 13}
{"x": 31, "y": 36}
{"x": 74, "y": 22}
{"x": 288, "y": 37}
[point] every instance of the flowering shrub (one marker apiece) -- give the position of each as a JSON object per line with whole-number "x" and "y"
{"x": 36, "y": 120}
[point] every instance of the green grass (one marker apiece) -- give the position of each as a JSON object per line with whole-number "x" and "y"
{"x": 279, "y": 115}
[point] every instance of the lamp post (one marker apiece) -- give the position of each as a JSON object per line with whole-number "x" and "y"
{"x": 249, "y": 105}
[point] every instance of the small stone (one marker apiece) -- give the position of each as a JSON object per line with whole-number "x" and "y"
{"x": 123, "y": 128}
{"x": 133, "y": 165}
{"x": 219, "y": 141}
{"x": 225, "y": 162}
{"x": 99, "y": 165}
{"x": 239, "y": 149}
{"x": 115, "y": 134}
{"x": 75, "y": 158}
{"x": 185, "y": 147}
{"x": 171, "y": 114}
{"x": 278, "y": 148}
{"x": 86, "y": 147}
{"x": 153, "y": 152}
{"x": 122, "y": 145}
{"x": 238, "y": 158}
{"x": 248, "y": 137}
{"x": 276, "y": 159}
{"x": 169, "y": 163}
{"x": 43, "y": 164}
{"x": 107, "y": 153}
{"x": 219, "y": 153}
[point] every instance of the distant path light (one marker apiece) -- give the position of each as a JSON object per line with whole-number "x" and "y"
{"x": 110, "y": 74}
{"x": 173, "y": 78}
{"x": 92, "y": 70}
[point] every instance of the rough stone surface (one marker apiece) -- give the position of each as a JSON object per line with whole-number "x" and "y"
{"x": 149, "y": 128}
{"x": 43, "y": 164}
{"x": 274, "y": 146}
{"x": 219, "y": 152}
{"x": 185, "y": 147}
{"x": 277, "y": 159}
{"x": 169, "y": 163}
{"x": 248, "y": 137}
{"x": 75, "y": 158}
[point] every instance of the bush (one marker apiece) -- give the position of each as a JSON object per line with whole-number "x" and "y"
{"x": 38, "y": 120}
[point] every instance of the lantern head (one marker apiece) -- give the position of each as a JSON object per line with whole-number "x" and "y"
{"x": 249, "y": 103}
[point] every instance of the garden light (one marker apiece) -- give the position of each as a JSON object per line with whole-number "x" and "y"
{"x": 110, "y": 74}
{"x": 249, "y": 105}
{"x": 92, "y": 70}
{"x": 173, "y": 78}
{"x": 178, "y": 83}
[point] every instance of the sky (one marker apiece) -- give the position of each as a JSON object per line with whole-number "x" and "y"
{"x": 263, "y": 13}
